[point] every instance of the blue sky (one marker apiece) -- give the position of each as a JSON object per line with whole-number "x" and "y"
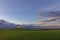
{"x": 24, "y": 11}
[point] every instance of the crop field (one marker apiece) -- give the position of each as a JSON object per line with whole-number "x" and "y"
{"x": 29, "y": 34}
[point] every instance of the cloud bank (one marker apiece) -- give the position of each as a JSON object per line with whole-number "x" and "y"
{"x": 52, "y": 16}
{"x": 50, "y": 12}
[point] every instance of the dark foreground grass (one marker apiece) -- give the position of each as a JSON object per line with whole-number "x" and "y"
{"x": 29, "y": 35}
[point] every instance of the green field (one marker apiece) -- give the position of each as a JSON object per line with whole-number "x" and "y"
{"x": 29, "y": 35}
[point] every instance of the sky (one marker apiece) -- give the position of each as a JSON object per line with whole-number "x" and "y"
{"x": 29, "y": 11}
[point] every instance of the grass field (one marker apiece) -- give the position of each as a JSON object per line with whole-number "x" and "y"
{"x": 29, "y": 35}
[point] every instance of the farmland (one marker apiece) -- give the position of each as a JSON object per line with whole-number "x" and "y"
{"x": 29, "y": 34}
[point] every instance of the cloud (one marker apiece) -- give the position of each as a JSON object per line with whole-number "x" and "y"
{"x": 52, "y": 12}
{"x": 49, "y": 14}
{"x": 5, "y": 24}
{"x": 50, "y": 20}
{"x": 52, "y": 16}
{"x": 52, "y": 7}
